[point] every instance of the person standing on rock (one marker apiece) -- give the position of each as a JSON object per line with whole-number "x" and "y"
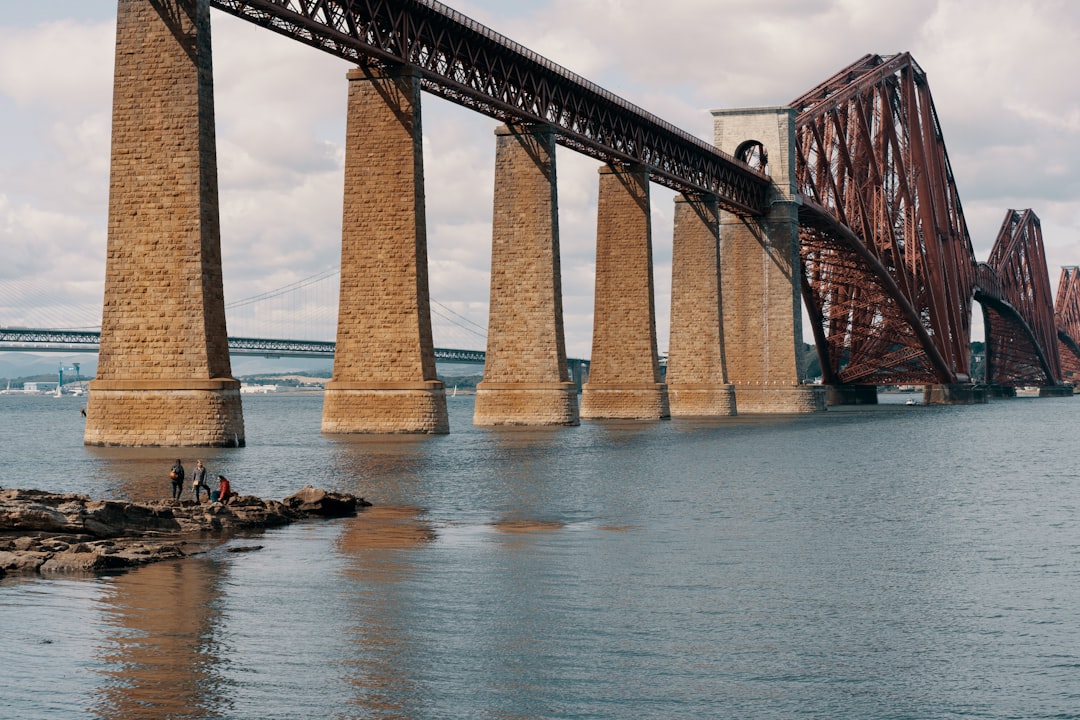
{"x": 198, "y": 481}
{"x": 176, "y": 475}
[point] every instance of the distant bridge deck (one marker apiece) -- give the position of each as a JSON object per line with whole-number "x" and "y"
{"x": 47, "y": 340}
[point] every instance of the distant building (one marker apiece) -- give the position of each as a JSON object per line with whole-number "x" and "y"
{"x": 39, "y": 387}
{"x": 258, "y": 389}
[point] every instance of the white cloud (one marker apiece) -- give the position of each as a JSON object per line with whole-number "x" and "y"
{"x": 1001, "y": 74}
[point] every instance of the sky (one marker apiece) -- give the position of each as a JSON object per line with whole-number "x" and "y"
{"x": 1001, "y": 74}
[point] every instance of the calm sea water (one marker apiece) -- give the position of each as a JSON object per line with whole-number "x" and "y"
{"x": 887, "y": 562}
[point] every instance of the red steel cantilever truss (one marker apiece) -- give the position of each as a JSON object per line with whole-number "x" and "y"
{"x": 1067, "y": 317}
{"x": 887, "y": 262}
{"x": 1013, "y": 288}
{"x": 472, "y": 65}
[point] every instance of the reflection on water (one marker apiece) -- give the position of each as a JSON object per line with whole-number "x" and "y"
{"x": 160, "y": 658}
{"x": 525, "y": 526}
{"x": 142, "y": 474}
{"x": 872, "y": 562}
{"x": 378, "y": 546}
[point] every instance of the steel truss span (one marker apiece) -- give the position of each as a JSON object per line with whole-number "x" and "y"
{"x": 1013, "y": 288}
{"x": 469, "y": 64}
{"x": 1067, "y": 320}
{"x": 888, "y": 271}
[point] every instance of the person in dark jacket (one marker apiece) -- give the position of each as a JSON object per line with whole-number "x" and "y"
{"x": 176, "y": 475}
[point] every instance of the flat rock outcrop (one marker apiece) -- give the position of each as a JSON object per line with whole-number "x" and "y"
{"x": 62, "y": 532}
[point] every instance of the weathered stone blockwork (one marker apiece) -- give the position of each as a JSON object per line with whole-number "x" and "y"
{"x": 384, "y": 378}
{"x": 210, "y": 416}
{"x": 762, "y": 305}
{"x": 163, "y": 376}
{"x": 525, "y": 374}
{"x": 624, "y": 375}
{"x": 696, "y": 376}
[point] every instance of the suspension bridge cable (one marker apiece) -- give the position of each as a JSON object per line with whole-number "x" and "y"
{"x": 481, "y": 327}
{"x": 284, "y": 289}
{"x": 463, "y": 328}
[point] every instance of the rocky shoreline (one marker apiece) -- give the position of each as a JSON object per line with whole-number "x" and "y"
{"x": 43, "y": 532}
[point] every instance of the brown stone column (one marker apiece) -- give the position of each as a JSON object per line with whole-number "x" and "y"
{"x": 762, "y": 302}
{"x": 624, "y": 372}
{"x": 696, "y": 374}
{"x": 384, "y": 377}
{"x": 525, "y": 374}
{"x": 163, "y": 375}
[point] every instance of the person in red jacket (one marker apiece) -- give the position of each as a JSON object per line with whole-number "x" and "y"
{"x": 223, "y": 492}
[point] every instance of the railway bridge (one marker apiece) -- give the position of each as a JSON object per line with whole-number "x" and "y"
{"x": 842, "y": 200}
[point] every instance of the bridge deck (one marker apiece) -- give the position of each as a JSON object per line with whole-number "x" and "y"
{"x": 472, "y": 65}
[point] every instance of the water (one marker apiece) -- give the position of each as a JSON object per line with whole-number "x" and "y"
{"x": 888, "y": 562}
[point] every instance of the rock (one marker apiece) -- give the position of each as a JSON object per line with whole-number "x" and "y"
{"x": 322, "y": 503}
{"x": 76, "y": 562}
{"x": 22, "y": 561}
{"x": 57, "y": 532}
{"x": 244, "y": 548}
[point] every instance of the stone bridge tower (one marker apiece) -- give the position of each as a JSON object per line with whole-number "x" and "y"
{"x": 759, "y": 257}
{"x": 164, "y": 376}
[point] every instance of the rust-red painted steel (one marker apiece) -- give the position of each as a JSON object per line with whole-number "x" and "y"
{"x": 891, "y": 301}
{"x": 1021, "y": 332}
{"x": 889, "y": 274}
{"x": 472, "y": 65}
{"x": 1067, "y": 316}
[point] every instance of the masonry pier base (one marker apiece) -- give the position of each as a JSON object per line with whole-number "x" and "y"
{"x": 175, "y": 413}
{"x": 705, "y": 400}
{"x": 385, "y": 408}
{"x": 954, "y": 394}
{"x": 522, "y": 403}
{"x": 779, "y": 399}
{"x": 1056, "y": 391}
{"x": 851, "y": 394}
{"x": 647, "y": 401}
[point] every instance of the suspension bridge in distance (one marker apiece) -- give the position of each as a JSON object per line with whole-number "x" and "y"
{"x": 51, "y": 340}
{"x": 87, "y": 341}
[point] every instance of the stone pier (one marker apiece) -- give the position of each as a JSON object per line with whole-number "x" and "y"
{"x": 624, "y": 373}
{"x": 526, "y": 381}
{"x": 163, "y": 375}
{"x": 762, "y": 305}
{"x": 384, "y": 378}
{"x": 955, "y": 394}
{"x": 851, "y": 394}
{"x": 696, "y": 374}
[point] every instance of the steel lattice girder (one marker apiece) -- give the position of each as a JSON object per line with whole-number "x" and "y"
{"x": 1067, "y": 318}
{"x": 869, "y": 153}
{"x": 866, "y": 332}
{"x": 1021, "y": 332}
{"x": 470, "y": 64}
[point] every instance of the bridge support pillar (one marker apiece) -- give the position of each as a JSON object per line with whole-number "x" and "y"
{"x": 384, "y": 378}
{"x": 696, "y": 375}
{"x": 163, "y": 376}
{"x": 851, "y": 394}
{"x": 624, "y": 372}
{"x": 954, "y": 394}
{"x": 526, "y": 380}
{"x": 762, "y": 305}
{"x": 1056, "y": 391}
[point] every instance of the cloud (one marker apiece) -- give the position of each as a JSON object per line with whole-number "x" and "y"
{"x": 1000, "y": 71}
